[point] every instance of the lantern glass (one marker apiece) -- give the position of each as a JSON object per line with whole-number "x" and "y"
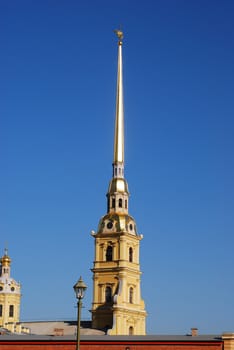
{"x": 80, "y": 288}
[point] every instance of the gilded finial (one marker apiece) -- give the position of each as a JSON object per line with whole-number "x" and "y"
{"x": 119, "y": 34}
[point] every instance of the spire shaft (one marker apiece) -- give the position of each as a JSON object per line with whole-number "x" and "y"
{"x": 118, "y": 161}
{"x": 118, "y": 195}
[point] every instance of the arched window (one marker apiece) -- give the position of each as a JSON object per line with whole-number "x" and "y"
{"x": 131, "y": 331}
{"x": 11, "y": 311}
{"x": 109, "y": 253}
{"x": 131, "y": 295}
{"x": 126, "y": 204}
{"x": 108, "y": 294}
{"x": 130, "y": 252}
{"x": 120, "y": 203}
{"x": 113, "y": 202}
{"x": 0, "y": 310}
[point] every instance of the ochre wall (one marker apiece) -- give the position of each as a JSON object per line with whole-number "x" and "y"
{"x": 228, "y": 339}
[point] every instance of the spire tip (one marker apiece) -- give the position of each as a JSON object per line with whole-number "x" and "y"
{"x": 119, "y": 34}
{"x": 6, "y": 250}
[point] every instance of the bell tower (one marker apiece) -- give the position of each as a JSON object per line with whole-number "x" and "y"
{"x": 9, "y": 294}
{"x": 117, "y": 304}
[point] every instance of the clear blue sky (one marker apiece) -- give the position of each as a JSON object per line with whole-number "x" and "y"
{"x": 57, "y": 90}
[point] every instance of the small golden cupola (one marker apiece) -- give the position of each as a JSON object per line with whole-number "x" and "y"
{"x": 10, "y": 295}
{"x": 5, "y": 261}
{"x": 117, "y": 305}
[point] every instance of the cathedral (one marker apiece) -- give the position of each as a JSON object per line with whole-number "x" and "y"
{"x": 118, "y": 307}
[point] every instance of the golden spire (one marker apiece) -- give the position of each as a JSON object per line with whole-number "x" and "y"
{"x": 118, "y": 188}
{"x": 118, "y": 161}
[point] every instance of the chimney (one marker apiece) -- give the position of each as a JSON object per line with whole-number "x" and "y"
{"x": 194, "y": 332}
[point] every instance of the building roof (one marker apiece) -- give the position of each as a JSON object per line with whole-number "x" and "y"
{"x": 117, "y": 338}
{"x": 59, "y": 328}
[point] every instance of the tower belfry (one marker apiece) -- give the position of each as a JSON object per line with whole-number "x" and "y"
{"x": 117, "y": 304}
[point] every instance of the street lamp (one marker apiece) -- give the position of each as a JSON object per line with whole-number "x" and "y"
{"x": 79, "y": 289}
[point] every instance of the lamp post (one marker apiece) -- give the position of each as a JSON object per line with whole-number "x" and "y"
{"x": 79, "y": 289}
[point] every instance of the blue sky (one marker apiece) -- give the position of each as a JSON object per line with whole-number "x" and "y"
{"x": 57, "y": 86}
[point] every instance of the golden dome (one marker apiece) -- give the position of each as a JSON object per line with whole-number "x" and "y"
{"x": 118, "y": 185}
{"x": 116, "y": 223}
